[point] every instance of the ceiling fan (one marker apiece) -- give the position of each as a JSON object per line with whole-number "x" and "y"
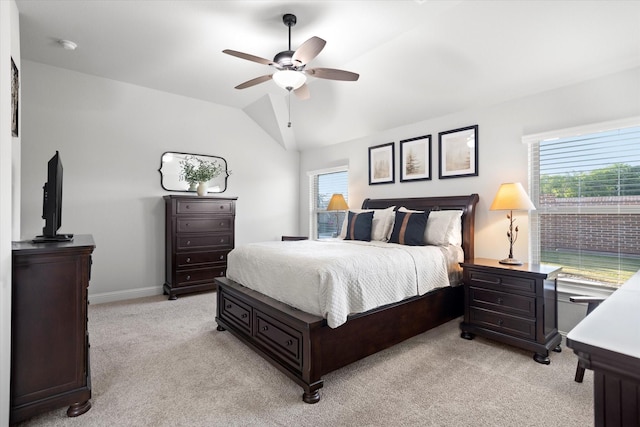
{"x": 291, "y": 72}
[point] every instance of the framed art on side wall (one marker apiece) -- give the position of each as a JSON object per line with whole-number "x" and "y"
{"x": 15, "y": 93}
{"x": 458, "y": 151}
{"x": 381, "y": 164}
{"x": 415, "y": 159}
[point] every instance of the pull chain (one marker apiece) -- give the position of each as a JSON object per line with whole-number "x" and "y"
{"x": 289, "y": 124}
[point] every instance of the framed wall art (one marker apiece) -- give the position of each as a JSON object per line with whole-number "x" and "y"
{"x": 458, "y": 151}
{"x": 15, "y": 93}
{"x": 415, "y": 159}
{"x": 381, "y": 164}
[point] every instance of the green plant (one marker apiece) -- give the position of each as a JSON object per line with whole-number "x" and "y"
{"x": 196, "y": 170}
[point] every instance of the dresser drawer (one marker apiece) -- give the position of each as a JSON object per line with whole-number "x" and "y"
{"x": 195, "y": 225}
{"x": 511, "y": 325}
{"x": 236, "y": 312}
{"x": 204, "y": 206}
{"x": 501, "y": 282}
{"x": 284, "y": 342}
{"x": 502, "y": 302}
{"x": 186, "y": 241}
{"x": 199, "y": 275}
{"x": 194, "y": 259}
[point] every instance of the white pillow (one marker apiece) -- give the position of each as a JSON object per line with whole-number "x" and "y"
{"x": 381, "y": 226}
{"x": 443, "y": 227}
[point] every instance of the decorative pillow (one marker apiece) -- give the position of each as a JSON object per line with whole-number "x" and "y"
{"x": 381, "y": 225}
{"x": 409, "y": 227}
{"x": 443, "y": 227}
{"x": 359, "y": 226}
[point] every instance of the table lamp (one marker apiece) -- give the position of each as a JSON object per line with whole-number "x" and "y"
{"x": 337, "y": 203}
{"x": 511, "y": 196}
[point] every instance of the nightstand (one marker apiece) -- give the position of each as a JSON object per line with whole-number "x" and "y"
{"x": 516, "y": 305}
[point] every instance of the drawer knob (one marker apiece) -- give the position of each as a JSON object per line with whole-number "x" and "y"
{"x": 188, "y": 277}
{"x": 221, "y": 274}
{"x": 186, "y": 224}
{"x": 221, "y": 206}
{"x": 188, "y": 242}
{"x": 221, "y": 256}
{"x": 289, "y": 342}
{"x": 500, "y": 322}
{"x": 188, "y": 259}
{"x": 244, "y": 316}
{"x": 265, "y": 328}
{"x": 500, "y": 301}
{"x": 228, "y": 306}
{"x": 222, "y": 224}
{"x": 221, "y": 240}
{"x": 188, "y": 206}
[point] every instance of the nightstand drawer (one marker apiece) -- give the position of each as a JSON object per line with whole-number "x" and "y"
{"x": 514, "y": 326}
{"x": 501, "y": 282}
{"x": 502, "y": 302}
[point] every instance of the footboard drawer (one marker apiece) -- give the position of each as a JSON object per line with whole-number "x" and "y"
{"x": 284, "y": 342}
{"x": 236, "y": 312}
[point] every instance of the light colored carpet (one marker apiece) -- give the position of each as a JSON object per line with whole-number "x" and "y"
{"x": 162, "y": 363}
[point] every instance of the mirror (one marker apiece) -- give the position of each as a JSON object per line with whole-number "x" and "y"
{"x": 171, "y": 172}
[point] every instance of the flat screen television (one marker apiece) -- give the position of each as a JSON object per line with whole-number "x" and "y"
{"x": 52, "y": 204}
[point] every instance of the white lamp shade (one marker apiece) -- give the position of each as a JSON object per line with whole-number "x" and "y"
{"x": 289, "y": 79}
{"x": 337, "y": 203}
{"x": 511, "y": 196}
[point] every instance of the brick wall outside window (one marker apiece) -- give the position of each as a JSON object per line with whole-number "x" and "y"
{"x": 612, "y": 233}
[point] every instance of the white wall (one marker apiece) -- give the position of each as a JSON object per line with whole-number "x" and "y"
{"x": 111, "y": 136}
{"x": 9, "y": 168}
{"x": 502, "y": 155}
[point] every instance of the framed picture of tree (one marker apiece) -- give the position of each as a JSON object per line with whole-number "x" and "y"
{"x": 415, "y": 159}
{"x": 381, "y": 164}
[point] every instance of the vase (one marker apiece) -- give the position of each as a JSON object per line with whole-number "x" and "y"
{"x": 202, "y": 188}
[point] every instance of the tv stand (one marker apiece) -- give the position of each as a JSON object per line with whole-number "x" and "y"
{"x": 49, "y": 336}
{"x": 56, "y": 238}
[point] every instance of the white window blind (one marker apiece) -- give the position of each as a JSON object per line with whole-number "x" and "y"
{"x": 586, "y": 189}
{"x": 322, "y": 185}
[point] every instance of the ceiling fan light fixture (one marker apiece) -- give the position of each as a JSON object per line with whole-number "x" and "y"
{"x": 289, "y": 79}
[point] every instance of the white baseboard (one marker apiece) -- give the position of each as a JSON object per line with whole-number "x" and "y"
{"x": 124, "y": 295}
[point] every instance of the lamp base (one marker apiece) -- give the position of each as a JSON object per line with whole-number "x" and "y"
{"x": 510, "y": 261}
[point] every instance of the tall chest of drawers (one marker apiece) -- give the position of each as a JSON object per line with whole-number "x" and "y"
{"x": 199, "y": 234}
{"x": 516, "y": 305}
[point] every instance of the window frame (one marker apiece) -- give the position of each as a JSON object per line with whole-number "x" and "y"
{"x": 313, "y": 209}
{"x": 567, "y": 285}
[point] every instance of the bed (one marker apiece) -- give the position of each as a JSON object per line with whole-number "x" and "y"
{"x": 303, "y": 345}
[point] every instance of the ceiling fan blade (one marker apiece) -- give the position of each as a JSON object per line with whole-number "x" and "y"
{"x": 248, "y": 57}
{"x": 332, "y": 74}
{"x": 254, "y": 82}
{"x": 302, "y": 92}
{"x": 308, "y": 50}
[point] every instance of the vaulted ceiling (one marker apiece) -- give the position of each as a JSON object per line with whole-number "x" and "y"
{"x": 417, "y": 59}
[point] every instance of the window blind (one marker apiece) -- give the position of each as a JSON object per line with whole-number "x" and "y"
{"x": 586, "y": 189}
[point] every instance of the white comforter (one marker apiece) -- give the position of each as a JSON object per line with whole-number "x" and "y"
{"x": 336, "y": 278}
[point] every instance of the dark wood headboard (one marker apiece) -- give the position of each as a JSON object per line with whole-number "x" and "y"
{"x": 465, "y": 203}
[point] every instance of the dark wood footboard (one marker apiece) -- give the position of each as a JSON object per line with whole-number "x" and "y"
{"x": 305, "y": 348}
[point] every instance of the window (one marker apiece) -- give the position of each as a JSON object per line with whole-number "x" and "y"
{"x": 585, "y": 184}
{"x": 322, "y": 185}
